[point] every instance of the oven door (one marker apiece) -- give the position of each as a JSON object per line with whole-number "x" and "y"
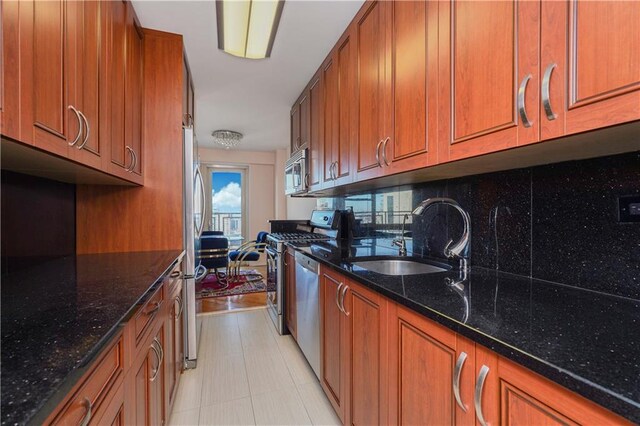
{"x": 274, "y": 280}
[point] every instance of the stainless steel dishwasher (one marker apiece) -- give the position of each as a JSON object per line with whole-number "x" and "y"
{"x": 307, "y": 309}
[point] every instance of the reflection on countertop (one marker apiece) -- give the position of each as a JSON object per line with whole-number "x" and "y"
{"x": 57, "y": 317}
{"x": 584, "y": 340}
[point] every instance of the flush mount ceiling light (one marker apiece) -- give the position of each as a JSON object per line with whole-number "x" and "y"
{"x": 226, "y": 138}
{"x": 247, "y": 28}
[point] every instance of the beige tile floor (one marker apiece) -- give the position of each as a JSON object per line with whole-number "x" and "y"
{"x": 248, "y": 374}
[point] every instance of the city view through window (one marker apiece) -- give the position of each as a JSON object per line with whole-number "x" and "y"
{"x": 226, "y": 202}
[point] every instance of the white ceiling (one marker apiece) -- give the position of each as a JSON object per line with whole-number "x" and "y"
{"x": 250, "y": 96}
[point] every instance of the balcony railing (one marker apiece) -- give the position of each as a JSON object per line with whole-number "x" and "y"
{"x": 229, "y": 223}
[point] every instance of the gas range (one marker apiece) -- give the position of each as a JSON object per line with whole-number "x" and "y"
{"x": 305, "y": 236}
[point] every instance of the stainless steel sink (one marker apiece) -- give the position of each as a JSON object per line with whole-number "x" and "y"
{"x": 398, "y": 267}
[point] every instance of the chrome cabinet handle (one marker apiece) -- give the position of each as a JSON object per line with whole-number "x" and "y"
{"x": 154, "y": 309}
{"x": 174, "y": 274}
{"x": 178, "y": 300}
{"x": 72, "y": 108}
{"x": 344, "y": 293}
{"x": 156, "y": 370}
{"x": 130, "y": 151}
{"x": 135, "y": 161}
{"x": 87, "y": 415}
{"x": 88, "y": 132}
{"x": 159, "y": 349}
{"x": 378, "y": 153}
{"x": 335, "y": 170}
{"x": 477, "y": 400}
{"x": 521, "y": 101}
{"x": 456, "y": 380}
{"x": 546, "y": 102}
{"x": 331, "y": 175}
{"x": 384, "y": 151}
{"x": 338, "y": 296}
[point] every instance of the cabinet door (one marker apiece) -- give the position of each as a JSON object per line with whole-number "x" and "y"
{"x": 10, "y": 68}
{"x": 149, "y": 382}
{"x": 295, "y": 128}
{"x": 345, "y": 57}
{"x": 332, "y": 343}
{"x": 331, "y": 120}
{"x": 488, "y": 54}
{"x": 175, "y": 349}
{"x": 186, "y": 119}
{"x": 372, "y": 92}
{"x": 290, "y": 295}
{"x": 423, "y": 355}
{"x": 51, "y": 92}
{"x": 89, "y": 147}
{"x": 119, "y": 158}
{"x": 415, "y": 86}
{"x": 528, "y": 399}
{"x": 367, "y": 320}
{"x": 133, "y": 93}
{"x": 305, "y": 131}
{"x": 590, "y": 64}
{"x": 316, "y": 127}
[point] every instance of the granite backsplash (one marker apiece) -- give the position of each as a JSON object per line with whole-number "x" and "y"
{"x": 556, "y": 222}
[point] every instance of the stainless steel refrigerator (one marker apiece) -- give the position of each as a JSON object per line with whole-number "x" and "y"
{"x": 195, "y": 211}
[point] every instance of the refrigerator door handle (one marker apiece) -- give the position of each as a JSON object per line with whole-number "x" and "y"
{"x": 203, "y": 210}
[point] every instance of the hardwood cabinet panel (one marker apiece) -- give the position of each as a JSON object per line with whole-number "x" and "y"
{"x": 133, "y": 93}
{"x": 422, "y": 359}
{"x": 185, "y": 92}
{"x": 88, "y": 148}
{"x": 332, "y": 331}
{"x": 295, "y": 127}
{"x": 366, "y": 313}
{"x": 341, "y": 147}
{"x": 488, "y": 51}
{"x": 305, "y": 131}
{"x": 10, "y": 69}
{"x": 290, "y": 294}
{"x": 590, "y": 55}
{"x": 415, "y": 86}
{"x": 148, "y": 385}
{"x": 174, "y": 352}
{"x": 316, "y": 131}
{"x": 371, "y": 87}
{"x": 331, "y": 119}
{"x": 119, "y": 160}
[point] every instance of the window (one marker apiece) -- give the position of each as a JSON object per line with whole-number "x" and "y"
{"x": 227, "y": 202}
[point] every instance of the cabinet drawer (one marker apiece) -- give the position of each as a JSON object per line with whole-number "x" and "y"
{"x": 173, "y": 279}
{"x": 102, "y": 378}
{"x": 146, "y": 314}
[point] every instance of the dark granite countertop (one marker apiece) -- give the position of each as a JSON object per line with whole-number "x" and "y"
{"x": 586, "y": 341}
{"x": 59, "y": 315}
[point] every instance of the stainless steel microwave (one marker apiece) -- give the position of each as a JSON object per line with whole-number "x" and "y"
{"x": 296, "y": 178}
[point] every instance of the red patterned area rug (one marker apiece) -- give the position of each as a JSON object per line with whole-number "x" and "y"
{"x": 249, "y": 281}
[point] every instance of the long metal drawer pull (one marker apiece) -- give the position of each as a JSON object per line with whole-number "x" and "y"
{"x": 477, "y": 400}
{"x": 378, "y": 153}
{"x": 130, "y": 151}
{"x": 522, "y": 91}
{"x": 88, "y": 130}
{"x": 456, "y": 380}
{"x": 156, "y": 370}
{"x": 344, "y": 293}
{"x": 384, "y": 150}
{"x": 72, "y": 108}
{"x": 87, "y": 415}
{"x": 338, "y": 296}
{"x": 546, "y": 101}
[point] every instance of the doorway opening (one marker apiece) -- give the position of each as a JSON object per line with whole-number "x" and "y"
{"x": 228, "y": 202}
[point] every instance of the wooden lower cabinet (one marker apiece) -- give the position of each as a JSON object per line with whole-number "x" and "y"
{"x": 383, "y": 363}
{"x": 354, "y": 358}
{"x": 290, "y": 293}
{"x": 174, "y": 352}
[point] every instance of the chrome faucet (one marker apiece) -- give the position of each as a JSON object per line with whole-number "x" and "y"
{"x": 461, "y": 249}
{"x": 401, "y": 242}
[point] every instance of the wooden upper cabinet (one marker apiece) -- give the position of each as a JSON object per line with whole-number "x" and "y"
{"x": 186, "y": 119}
{"x": 88, "y": 15}
{"x": 372, "y": 87}
{"x": 10, "y": 69}
{"x": 590, "y": 65}
{"x": 414, "y": 142}
{"x": 133, "y": 93}
{"x": 295, "y": 127}
{"x": 118, "y": 158}
{"x": 51, "y": 98}
{"x": 333, "y": 343}
{"x": 316, "y": 131}
{"x": 488, "y": 76}
{"x": 331, "y": 120}
{"x": 305, "y": 130}
{"x": 345, "y": 55}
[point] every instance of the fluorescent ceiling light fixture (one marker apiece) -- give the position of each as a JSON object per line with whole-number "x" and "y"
{"x": 247, "y": 28}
